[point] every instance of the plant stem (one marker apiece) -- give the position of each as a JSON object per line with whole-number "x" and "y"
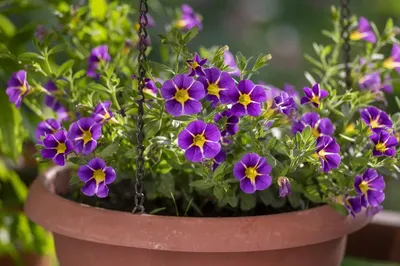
{"x": 177, "y": 60}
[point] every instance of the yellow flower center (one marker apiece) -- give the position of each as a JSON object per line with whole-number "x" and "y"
{"x": 356, "y": 35}
{"x": 315, "y": 132}
{"x": 381, "y": 147}
{"x": 213, "y": 89}
{"x": 390, "y": 63}
{"x": 251, "y": 173}
{"x": 194, "y": 64}
{"x": 99, "y": 175}
{"x": 315, "y": 99}
{"x": 61, "y": 148}
{"x": 181, "y": 23}
{"x": 199, "y": 140}
{"x": 23, "y": 89}
{"x": 374, "y": 123}
{"x": 364, "y": 187}
{"x": 181, "y": 96}
{"x": 245, "y": 99}
{"x": 321, "y": 154}
{"x": 349, "y": 129}
{"x": 87, "y": 136}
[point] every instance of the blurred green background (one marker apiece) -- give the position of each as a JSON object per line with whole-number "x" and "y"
{"x": 284, "y": 28}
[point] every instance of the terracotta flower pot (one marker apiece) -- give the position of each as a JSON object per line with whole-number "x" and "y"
{"x": 28, "y": 259}
{"x": 91, "y": 236}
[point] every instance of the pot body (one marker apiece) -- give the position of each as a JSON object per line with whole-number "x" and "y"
{"x": 90, "y": 236}
{"x": 73, "y": 252}
{"x": 28, "y": 259}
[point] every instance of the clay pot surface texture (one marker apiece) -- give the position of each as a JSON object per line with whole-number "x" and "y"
{"x": 90, "y": 236}
{"x": 28, "y": 259}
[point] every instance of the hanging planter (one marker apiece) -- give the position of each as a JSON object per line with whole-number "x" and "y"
{"x": 86, "y": 235}
{"x": 189, "y": 161}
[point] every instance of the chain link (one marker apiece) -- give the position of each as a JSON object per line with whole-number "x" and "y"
{"x": 139, "y": 195}
{"x": 345, "y": 24}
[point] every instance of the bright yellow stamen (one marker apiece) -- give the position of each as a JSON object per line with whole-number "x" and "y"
{"x": 24, "y": 89}
{"x": 199, "y": 140}
{"x": 251, "y": 173}
{"x": 245, "y": 99}
{"x": 213, "y": 89}
{"x": 390, "y": 63}
{"x": 381, "y": 147}
{"x": 181, "y": 96}
{"x": 356, "y": 35}
{"x": 181, "y": 24}
{"x": 374, "y": 123}
{"x": 364, "y": 187}
{"x": 61, "y": 148}
{"x": 194, "y": 64}
{"x": 315, "y": 99}
{"x": 315, "y": 132}
{"x": 349, "y": 129}
{"x": 321, "y": 154}
{"x": 87, "y": 136}
{"x": 99, "y": 175}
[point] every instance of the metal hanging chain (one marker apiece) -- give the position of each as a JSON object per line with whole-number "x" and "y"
{"x": 345, "y": 24}
{"x": 139, "y": 195}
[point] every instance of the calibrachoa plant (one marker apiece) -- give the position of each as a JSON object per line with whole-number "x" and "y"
{"x": 218, "y": 142}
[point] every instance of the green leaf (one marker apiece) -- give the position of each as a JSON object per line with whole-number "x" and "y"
{"x": 109, "y": 150}
{"x": 167, "y": 185}
{"x": 202, "y": 184}
{"x": 98, "y": 8}
{"x": 77, "y": 160}
{"x": 218, "y": 192}
{"x": 262, "y": 61}
{"x": 266, "y": 197}
{"x": 219, "y": 172}
{"x": 190, "y": 35}
{"x": 152, "y": 128}
{"x": 65, "y": 67}
{"x": 310, "y": 78}
{"x": 29, "y": 56}
{"x": 247, "y": 201}
{"x": 271, "y": 143}
{"x": 58, "y": 48}
{"x": 79, "y": 74}
{"x": 241, "y": 61}
{"x": 271, "y": 160}
{"x": 6, "y": 26}
{"x": 294, "y": 199}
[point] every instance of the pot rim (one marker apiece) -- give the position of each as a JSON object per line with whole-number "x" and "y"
{"x": 183, "y": 234}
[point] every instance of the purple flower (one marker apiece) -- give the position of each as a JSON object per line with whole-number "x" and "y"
{"x": 253, "y": 173}
{"x": 48, "y": 126}
{"x": 319, "y": 127}
{"x": 328, "y": 153}
{"x": 53, "y": 103}
{"x": 370, "y": 187}
{"x": 196, "y": 64}
{"x": 84, "y": 133}
{"x": 271, "y": 92}
{"x": 314, "y": 95}
{"x": 102, "y": 112}
{"x": 385, "y": 144}
{"x": 376, "y": 119}
{"x": 363, "y": 32}
{"x": 291, "y": 90}
{"x": 387, "y": 84}
{"x": 231, "y": 127}
{"x": 247, "y": 98}
{"x": 218, "y": 85}
{"x": 370, "y": 81}
{"x": 285, "y": 188}
{"x": 230, "y": 61}
{"x": 57, "y": 147}
{"x": 17, "y": 87}
{"x": 200, "y": 140}
{"x": 98, "y": 55}
{"x": 393, "y": 62}
{"x": 96, "y": 175}
{"x": 40, "y": 32}
{"x": 353, "y": 205}
{"x": 149, "y": 86}
{"x": 218, "y": 159}
{"x": 150, "y": 22}
{"x": 189, "y": 19}
{"x": 182, "y": 95}
{"x": 284, "y": 104}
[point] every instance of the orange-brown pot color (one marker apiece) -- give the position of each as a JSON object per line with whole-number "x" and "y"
{"x": 88, "y": 236}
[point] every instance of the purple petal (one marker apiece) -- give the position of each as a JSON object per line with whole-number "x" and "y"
{"x": 96, "y": 131}
{"x": 110, "y": 175}
{"x": 48, "y": 153}
{"x": 357, "y": 182}
{"x": 86, "y": 122}
{"x": 89, "y": 188}
{"x": 247, "y": 187}
{"x": 97, "y": 164}
{"x": 179, "y": 80}
{"x": 194, "y": 154}
{"x": 263, "y": 166}
{"x": 59, "y": 159}
{"x": 185, "y": 139}
{"x": 251, "y": 159}
{"x": 212, "y": 132}
{"x": 239, "y": 170}
{"x": 310, "y": 119}
{"x": 50, "y": 141}
{"x": 238, "y": 109}
{"x": 168, "y": 90}
{"x": 211, "y": 149}
{"x": 245, "y": 86}
{"x": 258, "y": 94}
{"x": 263, "y": 182}
{"x": 254, "y": 109}
{"x": 196, "y": 127}
{"x": 326, "y": 126}
{"x": 375, "y": 198}
{"x": 174, "y": 107}
{"x": 196, "y": 91}
{"x": 85, "y": 173}
{"x": 89, "y": 147}
{"x": 102, "y": 190}
{"x": 308, "y": 92}
{"x": 192, "y": 107}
